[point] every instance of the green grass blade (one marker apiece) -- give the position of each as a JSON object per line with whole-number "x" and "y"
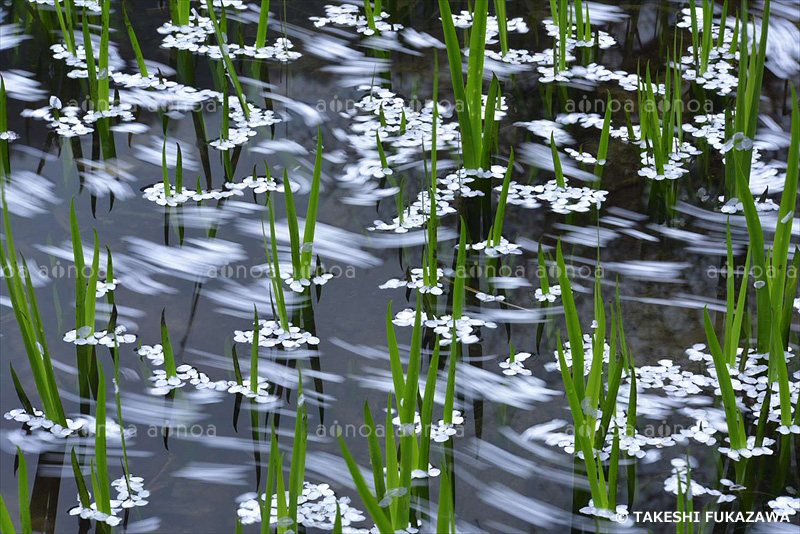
{"x": 254, "y": 352}
{"x": 5, "y": 519}
{"x": 787, "y": 209}
{"x": 370, "y": 503}
{"x": 134, "y": 43}
{"x": 501, "y": 203}
{"x": 444, "y": 513}
{"x": 83, "y": 493}
{"x": 470, "y": 152}
{"x": 102, "y": 493}
{"x": 294, "y": 233}
{"x": 573, "y": 323}
{"x": 726, "y": 388}
{"x": 398, "y": 376}
{"x": 263, "y": 16}
{"x": 557, "y": 163}
{"x": 311, "y": 212}
{"x": 602, "y": 149}
{"x": 375, "y": 455}
{"x": 22, "y": 493}
{"x": 169, "y": 356}
{"x": 426, "y": 413}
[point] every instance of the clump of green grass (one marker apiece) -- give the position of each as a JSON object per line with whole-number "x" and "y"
{"x": 584, "y": 396}
{"x": 476, "y": 133}
{"x": 98, "y": 76}
{"x": 26, "y": 312}
{"x": 64, "y": 17}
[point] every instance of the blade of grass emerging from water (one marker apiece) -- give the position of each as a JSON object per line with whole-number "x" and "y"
{"x": 169, "y": 357}
{"x": 271, "y": 250}
{"x": 502, "y": 24}
{"x": 471, "y": 144}
{"x": 223, "y": 46}
{"x": 22, "y": 494}
{"x": 23, "y": 303}
{"x": 311, "y": 211}
{"x": 370, "y": 503}
{"x": 254, "y": 353}
{"x": 501, "y": 203}
{"x": 5, "y": 162}
{"x": 735, "y": 429}
{"x": 5, "y": 519}
{"x": 398, "y": 377}
{"x": 375, "y": 455}
{"x": 445, "y": 516}
{"x": 263, "y": 16}
{"x": 134, "y": 42}
{"x": 83, "y": 493}
{"x": 573, "y": 323}
{"x": 297, "y": 468}
{"x": 602, "y": 149}
{"x": 101, "y": 474}
{"x": 557, "y": 163}
{"x": 291, "y": 216}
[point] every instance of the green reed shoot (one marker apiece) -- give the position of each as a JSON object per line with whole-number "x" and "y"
{"x": 557, "y": 163}
{"x": 117, "y": 393}
{"x": 22, "y": 493}
{"x": 164, "y": 170}
{"x": 254, "y": 353}
{"x": 602, "y": 148}
{"x": 734, "y": 313}
{"x": 85, "y": 301}
{"x": 180, "y": 12}
{"x": 311, "y": 212}
{"x": 455, "y": 313}
{"x": 223, "y": 46}
{"x": 748, "y": 93}
{"x": 103, "y": 74}
{"x": 5, "y": 161}
{"x": 378, "y": 516}
{"x": 137, "y": 50}
{"x": 574, "y": 331}
{"x": 263, "y": 16}
{"x": 502, "y": 24}
{"x": 497, "y": 228}
{"x": 6, "y": 525}
{"x": 771, "y": 282}
{"x": 271, "y": 250}
{"x": 467, "y": 95}
{"x": 26, "y": 312}
{"x": 5, "y": 518}
{"x": 64, "y": 17}
{"x": 169, "y": 355}
{"x": 100, "y": 460}
{"x": 297, "y": 467}
{"x": 733, "y": 419}
{"x": 445, "y": 514}
{"x": 83, "y": 493}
